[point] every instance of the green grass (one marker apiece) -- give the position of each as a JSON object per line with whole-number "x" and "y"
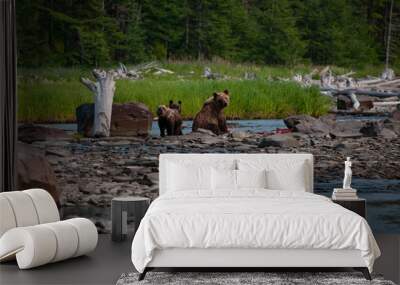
{"x": 249, "y": 99}
{"x": 57, "y": 101}
{"x": 52, "y": 94}
{"x": 50, "y": 101}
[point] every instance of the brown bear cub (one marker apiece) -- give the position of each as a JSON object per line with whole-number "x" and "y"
{"x": 211, "y": 116}
{"x": 169, "y": 119}
{"x": 175, "y": 106}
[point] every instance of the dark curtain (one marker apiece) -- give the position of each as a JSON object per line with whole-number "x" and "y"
{"x": 8, "y": 100}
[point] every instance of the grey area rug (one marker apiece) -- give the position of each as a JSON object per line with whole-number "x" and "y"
{"x": 233, "y": 278}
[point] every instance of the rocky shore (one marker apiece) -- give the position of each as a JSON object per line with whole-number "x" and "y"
{"x": 90, "y": 172}
{"x": 93, "y": 171}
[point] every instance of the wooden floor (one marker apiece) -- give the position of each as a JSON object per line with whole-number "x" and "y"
{"x": 110, "y": 260}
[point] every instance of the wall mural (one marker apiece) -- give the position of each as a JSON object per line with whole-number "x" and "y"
{"x": 91, "y": 128}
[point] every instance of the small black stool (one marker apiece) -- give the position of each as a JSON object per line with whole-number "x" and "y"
{"x": 123, "y": 208}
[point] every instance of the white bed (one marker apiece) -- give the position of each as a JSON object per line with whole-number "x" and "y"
{"x": 226, "y": 226}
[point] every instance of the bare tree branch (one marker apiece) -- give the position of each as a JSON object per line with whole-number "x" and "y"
{"x": 89, "y": 84}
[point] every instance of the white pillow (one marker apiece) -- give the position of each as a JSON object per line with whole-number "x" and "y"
{"x": 283, "y": 174}
{"x": 292, "y": 179}
{"x": 182, "y": 177}
{"x": 189, "y": 174}
{"x": 231, "y": 180}
{"x": 223, "y": 179}
{"x": 251, "y": 178}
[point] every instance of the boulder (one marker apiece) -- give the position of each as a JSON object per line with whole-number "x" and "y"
{"x": 34, "y": 170}
{"x": 239, "y": 135}
{"x": 345, "y": 134}
{"x": 388, "y": 134}
{"x": 152, "y": 177}
{"x": 329, "y": 120}
{"x": 393, "y": 125}
{"x": 395, "y": 116}
{"x": 285, "y": 140}
{"x": 372, "y": 129}
{"x": 343, "y": 128}
{"x": 347, "y": 129}
{"x": 309, "y": 125}
{"x": 388, "y": 129}
{"x": 84, "y": 119}
{"x": 29, "y": 133}
{"x": 204, "y": 131}
{"x": 129, "y": 119}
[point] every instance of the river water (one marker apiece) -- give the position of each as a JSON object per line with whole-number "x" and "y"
{"x": 234, "y": 125}
{"x": 254, "y": 126}
{"x": 383, "y": 195}
{"x": 383, "y": 200}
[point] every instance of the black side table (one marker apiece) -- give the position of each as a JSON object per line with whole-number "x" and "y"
{"x": 121, "y": 209}
{"x": 358, "y": 206}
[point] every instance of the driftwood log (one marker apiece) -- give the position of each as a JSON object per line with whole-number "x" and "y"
{"x": 356, "y": 103}
{"x": 384, "y": 87}
{"x": 372, "y": 93}
{"x": 332, "y": 85}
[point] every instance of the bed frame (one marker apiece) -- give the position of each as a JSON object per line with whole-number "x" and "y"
{"x": 237, "y": 259}
{"x": 245, "y": 259}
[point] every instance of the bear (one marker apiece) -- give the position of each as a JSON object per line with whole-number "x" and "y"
{"x": 211, "y": 116}
{"x": 175, "y": 106}
{"x": 169, "y": 119}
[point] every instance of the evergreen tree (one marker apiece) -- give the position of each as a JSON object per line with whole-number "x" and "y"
{"x": 333, "y": 34}
{"x": 215, "y": 33}
{"x": 246, "y": 28}
{"x": 135, "y": 34}
{"x": 164, "y": 23}
{"x": 101, "y": 32}
{"x": 33, "y": 28}
{"x": 278, "y": 40}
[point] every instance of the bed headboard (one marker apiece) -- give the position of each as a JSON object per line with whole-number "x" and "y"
{"x": 209, "y": 158}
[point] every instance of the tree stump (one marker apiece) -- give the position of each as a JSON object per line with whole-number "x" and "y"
{"x": 103, "y": 90}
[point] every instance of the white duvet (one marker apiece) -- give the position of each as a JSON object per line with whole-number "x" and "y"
{"x": 250, "y": 219}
